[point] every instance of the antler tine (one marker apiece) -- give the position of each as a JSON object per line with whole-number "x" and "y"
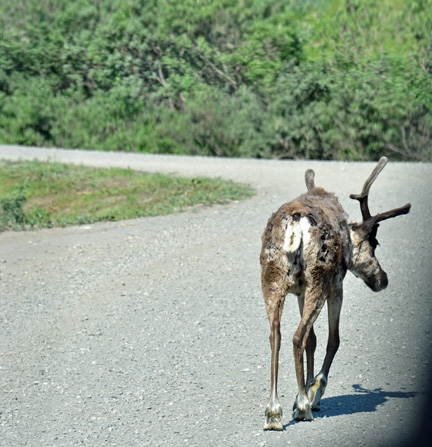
{"x": 393, "y": 213}
{"x": 363, "y": 196}
{"x": 309, "y": 178}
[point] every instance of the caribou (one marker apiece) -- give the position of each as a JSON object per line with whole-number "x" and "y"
{"x": 307, "y": 248}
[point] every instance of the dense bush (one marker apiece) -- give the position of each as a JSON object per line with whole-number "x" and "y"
{"x": 339, "y": 79}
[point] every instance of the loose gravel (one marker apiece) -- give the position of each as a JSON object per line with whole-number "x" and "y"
{"x": 152, "y": 332}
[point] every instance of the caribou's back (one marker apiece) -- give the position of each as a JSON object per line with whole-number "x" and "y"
{"x": 307, "y": 241}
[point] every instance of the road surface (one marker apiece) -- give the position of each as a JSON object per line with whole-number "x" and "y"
{"x": 152, "y": 332}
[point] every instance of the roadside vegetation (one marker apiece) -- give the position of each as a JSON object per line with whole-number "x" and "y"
{"x": 43, "y": 195}
{"x": 315, "y": 79}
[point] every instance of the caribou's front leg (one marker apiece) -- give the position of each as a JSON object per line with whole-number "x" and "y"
{"x": 312, "y": 306}
{"x": 318, "y": 385}
{"x": 273, "y": 411}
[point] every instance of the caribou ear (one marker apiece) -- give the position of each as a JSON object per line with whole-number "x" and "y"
{"x": 369, "y": 225}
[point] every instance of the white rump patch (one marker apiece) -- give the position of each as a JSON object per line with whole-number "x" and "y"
{"x": 295, "y": 233}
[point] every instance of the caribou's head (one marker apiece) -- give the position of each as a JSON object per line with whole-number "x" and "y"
{"x": 363, "y": 236}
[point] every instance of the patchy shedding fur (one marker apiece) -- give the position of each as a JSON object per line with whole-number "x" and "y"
{"x": 309, "y": 229}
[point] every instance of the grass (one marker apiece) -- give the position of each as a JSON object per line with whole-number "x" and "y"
{"x": 43, "y": 195}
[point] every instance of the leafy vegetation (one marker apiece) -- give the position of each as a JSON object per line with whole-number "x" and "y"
{"x": 36, "y": 194}
{"x": 322, "y": 79}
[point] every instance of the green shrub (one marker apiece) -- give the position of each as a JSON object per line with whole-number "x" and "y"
{"x": 324, "y": 79}
{"x": 11, "y": 211}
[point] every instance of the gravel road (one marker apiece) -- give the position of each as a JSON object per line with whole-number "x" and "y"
{"x": 152, "y": 332}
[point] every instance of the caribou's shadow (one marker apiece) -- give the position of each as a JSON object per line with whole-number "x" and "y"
{"x": 361, "y": 401}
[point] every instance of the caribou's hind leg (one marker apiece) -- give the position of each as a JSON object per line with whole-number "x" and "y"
{"x": 273, "y": 411}
{"x": 310, "y": 351}
{"x": 318, "y": 385}
{"x": 313, "y": 303}
{"x": 310, "y": 345}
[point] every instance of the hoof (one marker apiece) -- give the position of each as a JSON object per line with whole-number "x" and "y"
{"x": 302, "y": 410}
{"x": 273, "y": 419}
{"x": 303, "y": 415}
{"x": 316, "y": 389}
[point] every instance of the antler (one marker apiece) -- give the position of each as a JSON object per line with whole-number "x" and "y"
{"x": 368, "y": 220}
{"x": 363, "y": 196}
{"x": 309, "y": 178}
